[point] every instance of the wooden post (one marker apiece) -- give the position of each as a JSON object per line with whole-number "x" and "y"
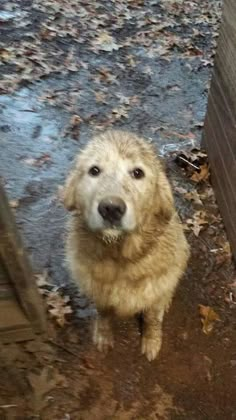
{"x": 16, "y": 277}
{"x": 220, "y": 124}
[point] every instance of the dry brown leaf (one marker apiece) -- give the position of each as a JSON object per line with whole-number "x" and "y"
{"x": 47, "y": 34}
{"x": 208, "y": 317}
{"x": 105, "y": 42}
{"x": 207, "y": 193}
{"x": 193, "y": 196}
{"x": 73, "y": 129}
{"x": 58, "y": 307}
{"x": 131, "y": 60}
{"x": 197, "y": 222}
{"x": 120, "y": 112}
{"x": 227, "y": 248}
{"x": 232, "y": 294}
{"x": 203, "y": 175}
{"x": 5, "y": 55}
{"x": 41, "y": 384}
{"x": 75, "y": 121}
{"x": 225, "y": 256}
{"x": 105, "y": 75}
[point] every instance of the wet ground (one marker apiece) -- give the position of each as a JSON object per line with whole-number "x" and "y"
{"x": 69, "y": 69}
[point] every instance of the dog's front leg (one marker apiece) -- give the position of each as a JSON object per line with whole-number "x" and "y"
{"x": 103, "y": 330}
{"x": 152, "y": 332}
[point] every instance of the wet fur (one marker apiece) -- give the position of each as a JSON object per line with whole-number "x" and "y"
{"x": 136, "y": 271}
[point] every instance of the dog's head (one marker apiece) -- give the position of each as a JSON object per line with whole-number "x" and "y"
{"x": 118, "y": 184}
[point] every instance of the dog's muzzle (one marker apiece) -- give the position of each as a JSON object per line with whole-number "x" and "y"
{"x": 112, "y": 209}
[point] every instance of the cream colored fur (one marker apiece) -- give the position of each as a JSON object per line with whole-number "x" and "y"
{"x": 137, "y": 267}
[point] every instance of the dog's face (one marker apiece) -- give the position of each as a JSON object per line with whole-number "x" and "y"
{"x": 115, "y": 184}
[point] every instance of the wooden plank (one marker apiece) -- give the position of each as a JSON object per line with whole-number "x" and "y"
{"x": 220, "y": 106}
{"x": 6, "y": 292}
{"x": 220, "y": 123}
{"x": 16, "y": 335}
{"x": 3, "y": 274}
{"x": 14, "y": 325}
{"x": 18, "y": 267}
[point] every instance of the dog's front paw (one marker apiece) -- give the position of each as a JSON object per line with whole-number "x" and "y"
{"x": 102, "y": 336}
{"x": 151, "y": 347}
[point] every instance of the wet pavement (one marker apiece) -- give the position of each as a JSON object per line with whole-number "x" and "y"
{"x": 157, "y": 89}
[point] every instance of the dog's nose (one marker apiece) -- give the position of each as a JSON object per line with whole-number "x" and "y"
{"x": 112, "y": 209}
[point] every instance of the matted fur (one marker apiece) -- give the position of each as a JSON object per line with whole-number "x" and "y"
{"x": 135, "y": 268}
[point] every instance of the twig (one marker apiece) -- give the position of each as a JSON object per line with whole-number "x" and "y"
{"x": 60, "y": 346}
{"x": 189, "y": 163}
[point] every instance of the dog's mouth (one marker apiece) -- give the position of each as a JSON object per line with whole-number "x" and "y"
{"x": 111, "y": 235}
{"x": 112, "y": 225}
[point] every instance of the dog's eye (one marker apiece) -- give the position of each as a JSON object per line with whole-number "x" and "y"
{"x": 137, "y": 173}
{"x": 94, "y": 171}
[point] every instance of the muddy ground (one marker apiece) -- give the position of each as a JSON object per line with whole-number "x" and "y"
{"x": 71, "y": 68}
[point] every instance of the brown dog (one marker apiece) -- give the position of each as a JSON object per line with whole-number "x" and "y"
{"x": 126, "y": 247}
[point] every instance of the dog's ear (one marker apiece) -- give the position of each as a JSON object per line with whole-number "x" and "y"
{"x": 164, "y": 198}
{"x": 69, "y": 193}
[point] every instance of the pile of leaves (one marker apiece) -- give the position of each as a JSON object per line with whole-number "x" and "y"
{"x": 204, "y": 228}
{"x": 58, "y": 304}
{"x": 41, "y": 38}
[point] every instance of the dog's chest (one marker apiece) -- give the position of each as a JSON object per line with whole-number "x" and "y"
{"x": 127, "y": 288}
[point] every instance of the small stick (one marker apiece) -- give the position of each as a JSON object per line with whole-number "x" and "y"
{"x": 189, "y": 163}
{"x": 60, "y": 346}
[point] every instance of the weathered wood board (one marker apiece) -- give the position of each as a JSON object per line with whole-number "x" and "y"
{"x": 220, "y": 123}
{"x": 21, "y": 309}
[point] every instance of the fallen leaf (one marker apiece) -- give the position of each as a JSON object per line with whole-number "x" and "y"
{"x": 225, "y": 256}
{"x": 75, "y": 121}
{"x": 14, "y": 203}
{"x": 208, "y": 317}
{"x": 5, "y": 55}
{"x": 58, "y": 307}
{"x": 203, "y": 174}
{"x": 197, "y": 222}
{"x": 232, "y": 293}
{"x": 227, "y": 248}
{"x": 40, "y": 161}
{"x": 207, "y": 193}
{"x": 131, "y": 60}
{"x": 193, "y": 196}
{"x": 41, "y": 385}
{"x": 180, "y": 190}
{"x": 47, "y": 34}
{"x": 120, "y": 112}
{"x": 88, "y": 363}
{"x": 73, "y": 129}
{"x": 71, "y": 61}
{"x": 207, "y": 63}
{"x": 199, "y": 124}
{"x": 105, "y": 75}
{"x": 105, "y": 42}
